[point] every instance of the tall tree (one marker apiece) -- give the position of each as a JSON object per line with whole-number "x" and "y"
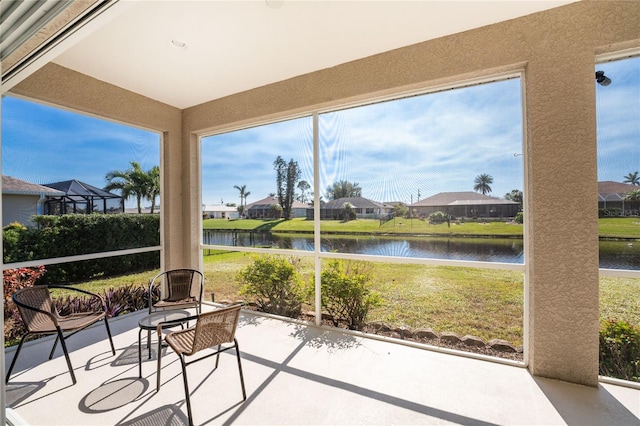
{"x": 287, "y": 176}
{"x": 134, "y": 182}
{"x": 482, "y": 182}
{"x": 632, "y": 178}
{"x": 303, "y": 186}
{"x": 243, "y": 198}
{"x": 515, "y": 195}
{"x": 343, "y": 189}
{"x": 400, "y": 210}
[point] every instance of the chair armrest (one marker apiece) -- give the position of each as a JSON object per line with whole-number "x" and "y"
{"x": 175, "y": 322}
{"x": 64, "y": 287}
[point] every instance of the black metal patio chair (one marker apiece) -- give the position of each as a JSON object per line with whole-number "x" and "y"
{"x": 179, "y": 289}
{"x": 40, "y": 317}
{"x": 212, "y": 329}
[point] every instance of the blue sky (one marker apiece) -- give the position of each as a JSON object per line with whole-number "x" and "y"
{"x": 42, "y": 144}
{"x": 394, "y": 150}
{"x": 618, "y": 119}
{"x": 427, "y": 144}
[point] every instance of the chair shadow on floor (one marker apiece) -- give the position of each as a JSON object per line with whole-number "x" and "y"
{"x": 129, "y": 355}
{"x": 114, "y": 394}
{"x": 168, "y": 415}
{"x": 17, "y": 392}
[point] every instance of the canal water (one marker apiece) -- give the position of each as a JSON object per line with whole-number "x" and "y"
{"x": 613, "y": 254}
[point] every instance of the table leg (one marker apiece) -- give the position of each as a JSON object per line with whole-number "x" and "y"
{"x": 159, "y": 368}
{"x": 149, "y": 342}
{"x": 140, "y": 354}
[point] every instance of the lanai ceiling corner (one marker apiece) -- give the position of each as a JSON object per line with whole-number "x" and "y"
{"x": 184, "y": 53}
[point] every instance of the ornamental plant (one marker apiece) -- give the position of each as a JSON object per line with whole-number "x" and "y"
{"x": 16, "y": 279}
{"x": 619, "y": 350}
{"x": 275, "y": 284}
{"x": 346, "y": 292}
{"x": 437, "y": 217}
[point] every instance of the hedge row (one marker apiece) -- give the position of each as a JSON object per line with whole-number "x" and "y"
{"x": 75, "y": 234}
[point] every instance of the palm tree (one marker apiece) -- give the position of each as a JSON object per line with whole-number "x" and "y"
{"x": 633, "y": 197}
{"x": 482, "y": 183}
{"x": 243, "y": 196}
{"x": 131, "y": 183}
{"x": 152, "y": 190}
{"x": 632, "y": 178}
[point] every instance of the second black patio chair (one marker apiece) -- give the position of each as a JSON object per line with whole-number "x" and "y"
{"x": 40, "y": 317}
{"x": 179, "y": 289}
{"x": 212, "y": 329}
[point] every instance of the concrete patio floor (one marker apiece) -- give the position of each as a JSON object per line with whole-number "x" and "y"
{"x": 296, "y": 375}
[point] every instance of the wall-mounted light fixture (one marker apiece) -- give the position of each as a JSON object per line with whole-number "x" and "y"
{"x": 602, "y": 79}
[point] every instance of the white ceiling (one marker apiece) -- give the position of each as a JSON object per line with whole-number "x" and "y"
{"x": 233, "y": 46}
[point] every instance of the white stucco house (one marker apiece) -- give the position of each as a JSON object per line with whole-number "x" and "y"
{"x": 219, "y": 211}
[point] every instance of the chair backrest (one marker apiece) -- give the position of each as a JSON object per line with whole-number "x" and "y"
{"x": 216, "y": 327}
{"x": 30, "y": 301}
{"x": 179, "y": 284}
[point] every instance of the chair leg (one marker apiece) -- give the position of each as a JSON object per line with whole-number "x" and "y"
{"x": 140, "y": 353}
{"x": 106, "y": 323}
{"x": 15, "y": 357}
{"x": 159, "y": 367}
{"x": 66, "y": 355}
{"x": 244, "y": 393}
{"x": 55, "y": 345}
{"x": 186, "y": 388}
{"x": 217, "y": 357}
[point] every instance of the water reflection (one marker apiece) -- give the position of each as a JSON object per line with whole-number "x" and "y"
{"x": 613, "y": 254}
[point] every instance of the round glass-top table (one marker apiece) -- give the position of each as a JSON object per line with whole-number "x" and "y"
{"x": 164, "y": 319}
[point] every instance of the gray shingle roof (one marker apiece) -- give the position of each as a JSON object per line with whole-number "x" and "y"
{"x": 265, "y": 203}
{"x": 357, "y": 202}
{"x": 609, "y": 187}
{"x": 460, "y": 199}
{"x": 11, "y": 185}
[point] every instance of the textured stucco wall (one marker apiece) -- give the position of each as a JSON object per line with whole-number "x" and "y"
{"x": 60, "y": 86}
{"x": 556, "y": 50}
{"x": 19, "y": 208}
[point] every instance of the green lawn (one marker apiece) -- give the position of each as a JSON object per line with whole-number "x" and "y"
{"x": 619, "y": 227}
{"x": 482, "y": 302}
{"x": 624, "y": 227}
{"x": 368, "y": 226}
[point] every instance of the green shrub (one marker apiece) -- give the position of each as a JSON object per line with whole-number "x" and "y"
{"x": 519, "y": 217}
{"x": 349, "y": 212}
{"x": 619, "y": 350}
{"x": 437, "y": 217}
{"x": 74, "y": 234}
{"x": 610, "y": 212}
{"x": 346, "y": 292}
{"x": 275, "y": 284}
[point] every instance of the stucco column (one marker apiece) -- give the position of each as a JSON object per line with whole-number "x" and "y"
{"x": 562, "y": 246}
